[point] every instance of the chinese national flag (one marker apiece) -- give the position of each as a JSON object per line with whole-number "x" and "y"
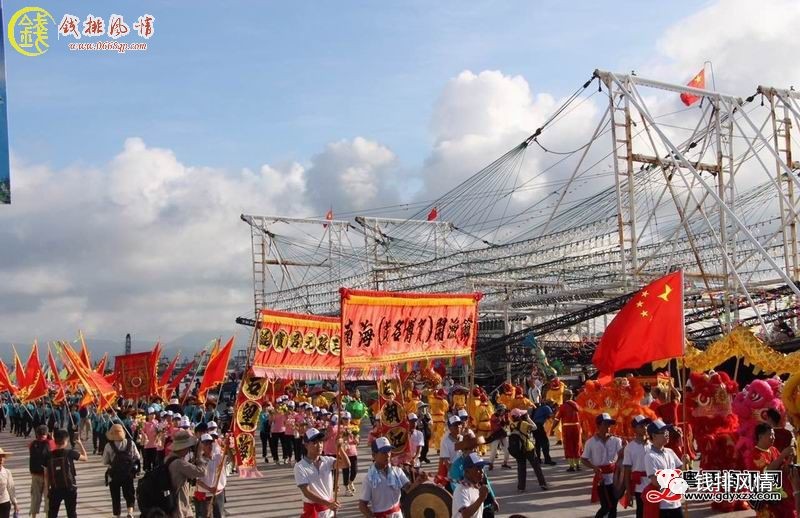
{"x": 698, "y": 81}
{"x": 649, "y": 328}
{"x": 433, "y": 214}
{"x": 215, "y": 370}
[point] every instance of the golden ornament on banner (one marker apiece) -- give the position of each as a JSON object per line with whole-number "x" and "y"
{"x": 247, "y": 416}
{"x": 310, "y": 343}
{"x": 264, "y": 339}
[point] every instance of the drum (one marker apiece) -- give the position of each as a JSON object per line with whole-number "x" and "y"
{"x": 427, "y": 501}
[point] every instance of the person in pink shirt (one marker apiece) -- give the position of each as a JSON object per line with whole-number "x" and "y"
{"x": 300, "y": 426}
{"x": 277, "y": 429}
{"x": 331, "y": 437}
{"x": 150, "y": 432}
{"x": 350, "y": 438}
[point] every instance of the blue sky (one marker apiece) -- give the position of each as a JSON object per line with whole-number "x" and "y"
{"x": 257, "y": 82}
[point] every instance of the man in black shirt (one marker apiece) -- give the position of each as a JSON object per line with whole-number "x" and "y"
{"x": 60, "y": 468}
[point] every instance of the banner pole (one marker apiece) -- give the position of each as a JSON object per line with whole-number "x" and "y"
{"x": 191, "y": 382}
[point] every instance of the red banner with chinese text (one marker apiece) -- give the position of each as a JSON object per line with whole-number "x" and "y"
{"x": 246, "y": 420}
{"x": 382, "y": 329}
{"x": 298, "y": 347}
{"x": 134, "y": 374}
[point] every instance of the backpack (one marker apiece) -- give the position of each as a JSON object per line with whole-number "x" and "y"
{"x": 39, "y": 451}
{"x": 122, "y": 467}
{"x": 155, "y": 490}
{"x": 59, "y": 471}
{"x": 515, "y": 445}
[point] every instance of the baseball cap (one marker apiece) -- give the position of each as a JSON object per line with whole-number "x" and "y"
{"x": 640, "y": 420}
{"x": 169, "y": 413}
{"x": 658, "y": 426}
{"x": 454, "y": 420}
{"x": 346, "y": 415}
{"x": 212, "y": 425}
{"x": 604, "y": 418}
{"x": 185, "y": 422}
{"x": 382, "y": 445}
{"x": 206, "y": 438}
{"x": 473, "y": 460}
{"x": 412, "y": 416}
{"x": 313, "y": 435}
{"x": 463, "y": 414}
{"x": 151, "y": 410}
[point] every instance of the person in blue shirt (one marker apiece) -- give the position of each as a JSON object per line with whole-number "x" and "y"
{"x": 540, "y": 416}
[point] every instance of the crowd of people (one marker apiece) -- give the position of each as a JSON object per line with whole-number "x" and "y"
{"x": 181, "y": 450}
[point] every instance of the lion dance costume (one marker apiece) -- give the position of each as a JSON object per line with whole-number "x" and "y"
{"x": 714, "y": 425}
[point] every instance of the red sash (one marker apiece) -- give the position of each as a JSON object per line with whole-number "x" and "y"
{"x": 636, "y": 479}
{"x": 651, "y": 510}
{"x": 387, "y": 513}
{"x": 311, "y": 510}
{"x": 598, "y": 479}
{"x": 441, "y": 476}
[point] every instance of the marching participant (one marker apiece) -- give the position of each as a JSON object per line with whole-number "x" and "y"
{"x": 633, "y": 462}
{"x": 380, "y": 497}
{"x": 416, "y": 440}
{"x": 314, "y": 476}
{"x": 470, "y": 494}
{"x": 447, "y": 448}
{"x": 660, "y": 457}
{"x": 350, "y": 439}
{"x": 438, "y": 410}
{"x": 499, "y": 436}
{"x": 600, "y": 454}
{"x": 568, "y": 415}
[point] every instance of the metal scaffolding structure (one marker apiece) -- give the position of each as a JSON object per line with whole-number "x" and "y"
{"x": 543, "y": 233}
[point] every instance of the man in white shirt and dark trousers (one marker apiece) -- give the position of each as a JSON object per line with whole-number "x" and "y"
{"x": 470, "y": 493}
{"x": 660, "y": 457}
{"x": 314, "y": 476}
{"x": 633, "y": 463}
{"x": 384, "y": 483}
{"x": 600, "y": 454}
{"x": 447, "y": 448}
{"x": 416, "y": 440}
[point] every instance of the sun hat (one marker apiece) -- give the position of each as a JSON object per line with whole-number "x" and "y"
{"x": 4, "y": 453}
{"x": 115, "y": 433}
{"x": 183, "y": 440}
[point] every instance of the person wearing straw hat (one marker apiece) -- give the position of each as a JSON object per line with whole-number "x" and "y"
{"x": 121, "y": 456}
{"x": 8, "y": 493}
{"x": 383, "y": 484}
{"x": 314, "y": 476}
{"x": 181, "y": 471}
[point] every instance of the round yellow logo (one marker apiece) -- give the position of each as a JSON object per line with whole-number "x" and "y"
{"x": 28, "y": 31}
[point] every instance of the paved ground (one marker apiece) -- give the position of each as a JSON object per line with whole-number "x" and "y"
{"x": 275, "y": 495}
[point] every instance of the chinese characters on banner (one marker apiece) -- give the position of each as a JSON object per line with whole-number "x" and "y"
{"x": 297, "y": 347}
{"x": 246, "y": 421}
{"x": 134, "y": 374}
{"x": 382, "y": 329}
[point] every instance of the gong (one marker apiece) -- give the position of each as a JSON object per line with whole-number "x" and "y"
{"x": 427, "y": 501}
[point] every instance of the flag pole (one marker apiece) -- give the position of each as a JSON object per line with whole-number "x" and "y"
{"x": 191, "y": 382}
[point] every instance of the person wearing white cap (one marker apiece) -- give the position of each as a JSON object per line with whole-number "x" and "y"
{"x": 314, "y": 476}
{"x": 150, "y": 432}
{"x": 350, "y": 439}
{"x": 470, "y": 494}
{"x": 383, "y": 484}
{"x": 447, "y": 448}
{"x": 661, "y": 457}
{"x": 521, "y": 447}
{"x": 416, "y": 440}
{"x": 633, "y": 463}
{"x": 600, "y": 454}
{"x": 206, "y": 490}
{"x": 182, "y": 471}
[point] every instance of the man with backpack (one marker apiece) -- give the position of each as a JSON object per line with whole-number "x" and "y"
{"x": 121, "y": 456}
{"x": 61, "y": 481}
{"x": 39, "y": 448}
{"x": 181, "y": 471}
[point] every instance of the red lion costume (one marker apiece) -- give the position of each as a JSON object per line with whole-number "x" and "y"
{"x": 750, "y": 406}
{"x": 621, "y": 399}
{"x": 714, "y": 426}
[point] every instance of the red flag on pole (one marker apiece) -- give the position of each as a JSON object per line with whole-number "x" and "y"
{"x": 5, "y": 380}
{"x": 168, "y": 372}
{"x": 35, "y": 385}
{"x": 176, "y": 381}
{"x": 19, "y": 370}
{"x": 698, "y": 81}
{"x": 86, "y": 358}
{"x": 650, "y": 327}
{"x": 101, "y": 365}
{"x": 61, "y": 394}
{"x": 216, "y": 369}
{"x": 433, "y": 214}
